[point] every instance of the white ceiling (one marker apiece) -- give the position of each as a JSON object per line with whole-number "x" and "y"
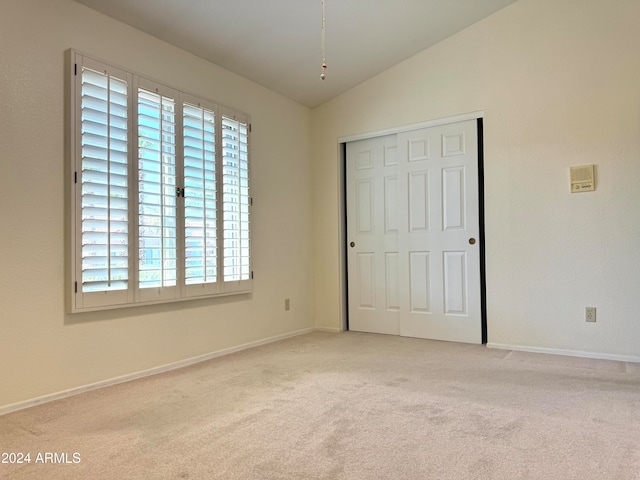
{"x": 277, "y": 43}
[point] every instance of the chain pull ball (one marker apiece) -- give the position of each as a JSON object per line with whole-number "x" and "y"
{"x": 324, "y": 58}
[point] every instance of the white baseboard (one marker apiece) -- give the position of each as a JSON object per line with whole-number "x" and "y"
{"x": 328, "y": 329}
{"x": 569, "y": 353}
{"x": 13, "y": 407}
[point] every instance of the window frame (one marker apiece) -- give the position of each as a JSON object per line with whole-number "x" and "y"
{"x": 134, "y": 295}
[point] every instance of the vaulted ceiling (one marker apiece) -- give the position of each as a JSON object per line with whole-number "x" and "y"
{"x": 277, "y": 43}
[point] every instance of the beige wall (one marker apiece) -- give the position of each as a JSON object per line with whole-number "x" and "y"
{"x": 559, "y": 84}
{"x": 42, "y": 349}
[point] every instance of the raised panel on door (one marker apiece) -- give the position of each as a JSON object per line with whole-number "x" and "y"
{"x": 391, "y": 205}
{"x": 419, "y": 282}
{"x": 366, "y": 276}
{"x": 365, "y": 207}
{"x": 392, "y": 282}
{"x": 418, "y": 203}
{"x": 455, "y": 283}
{"x": 454, "y": 204}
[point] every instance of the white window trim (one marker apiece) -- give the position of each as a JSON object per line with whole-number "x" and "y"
{"x": 133, "y": 295}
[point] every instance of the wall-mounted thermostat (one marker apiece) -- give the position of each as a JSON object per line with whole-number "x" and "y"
{"x": 583, "y": 179}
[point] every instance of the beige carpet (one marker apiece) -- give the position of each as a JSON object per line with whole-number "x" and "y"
{"x": 346, "y": 406}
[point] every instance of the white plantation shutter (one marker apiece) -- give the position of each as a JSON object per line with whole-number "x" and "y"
{"x": 157, "y": 208}
{"x": 200, "y": 202}
{"x": 100, "y": 211}
{"x": 104, "y": 180}
{"x": 236, "y": 200}
{"x": 159, "y": 188}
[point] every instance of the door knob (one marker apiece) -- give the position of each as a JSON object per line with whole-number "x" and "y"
{"x": 472, "y": 241}
{"x": 352, "y": 244}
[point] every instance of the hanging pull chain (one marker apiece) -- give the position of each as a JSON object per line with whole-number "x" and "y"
{"x": 324, "y": 59}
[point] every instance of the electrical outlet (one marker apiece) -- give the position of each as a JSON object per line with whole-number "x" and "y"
{"x": 590, "y": 314}
{"x": 287, "y": 304}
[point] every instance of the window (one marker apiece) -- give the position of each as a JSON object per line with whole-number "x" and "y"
{"x": 160, "y": 199}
